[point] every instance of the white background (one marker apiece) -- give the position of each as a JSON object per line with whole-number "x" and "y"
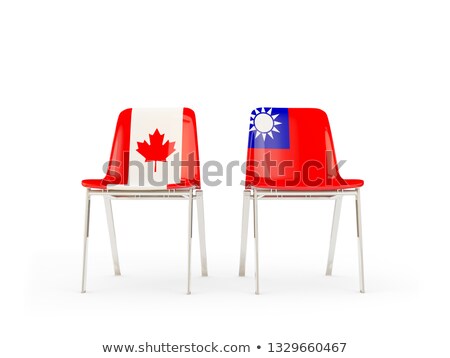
{"x": 380, "y": 71}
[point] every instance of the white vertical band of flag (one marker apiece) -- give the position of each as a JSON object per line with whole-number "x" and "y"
{"x": 142, "y": 174}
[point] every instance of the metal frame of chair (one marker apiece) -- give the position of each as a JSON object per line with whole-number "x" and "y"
{"x": 255, "y": 195}
{"x": 174, "y": 194}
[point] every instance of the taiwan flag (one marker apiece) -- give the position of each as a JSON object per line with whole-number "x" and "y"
{"x": 269, "y": 129}
{"x": 288, "y": 148}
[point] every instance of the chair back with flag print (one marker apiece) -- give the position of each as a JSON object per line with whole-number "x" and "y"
{"x": 154, "y": 149}
{"x": 292, "y": 148}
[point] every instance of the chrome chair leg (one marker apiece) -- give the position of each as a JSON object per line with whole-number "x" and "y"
{"x": 334, "y": 231}
{"x": 112, "y": 235}
{"x": 255, "y": 223}
{"x": 244, "y": 232}
{"x": 189, "y": 241}
{"x": 85, "y": 241}
{"x": 359, "y": 234}
{"x": 201, "y": 231}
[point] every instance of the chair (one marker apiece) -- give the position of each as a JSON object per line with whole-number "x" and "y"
{"x": 291, "y": 156}
{"x": 154, "y": 156}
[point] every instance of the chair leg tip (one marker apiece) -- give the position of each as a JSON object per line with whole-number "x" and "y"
{"x": 188, "y": 293}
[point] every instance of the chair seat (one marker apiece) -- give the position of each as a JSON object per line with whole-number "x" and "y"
{"x": 103, "y": 185}
{"x": 93, "y": 183}
{"x": 335, "y": 185}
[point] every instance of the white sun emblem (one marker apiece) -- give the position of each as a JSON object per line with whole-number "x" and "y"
{"x": 264, "y": 123}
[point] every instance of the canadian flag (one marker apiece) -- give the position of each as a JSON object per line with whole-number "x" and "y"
{"x": 155, "y": 143}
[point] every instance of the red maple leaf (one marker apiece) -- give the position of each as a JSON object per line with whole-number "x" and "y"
{"x": 156, "y": 150}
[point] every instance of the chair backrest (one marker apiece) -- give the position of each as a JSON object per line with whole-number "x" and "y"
{"x": 290, "y": 148}
{"x": 154, "y": 148}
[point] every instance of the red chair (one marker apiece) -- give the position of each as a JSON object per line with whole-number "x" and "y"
{"x": 291, "y": 156}
{"x": 154, "y": 156}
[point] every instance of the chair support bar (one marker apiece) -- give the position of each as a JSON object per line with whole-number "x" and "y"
{"x": 304, "y": 195}
{"x": 153, "y": 194}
